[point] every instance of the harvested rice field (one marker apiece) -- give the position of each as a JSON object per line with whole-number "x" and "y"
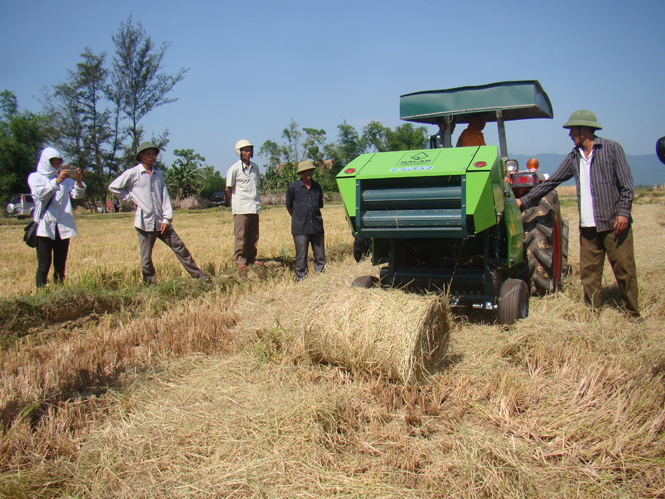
{"x": 258, "y": 387}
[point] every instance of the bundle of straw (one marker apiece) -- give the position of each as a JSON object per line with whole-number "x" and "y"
{"x": 381, "y": 332}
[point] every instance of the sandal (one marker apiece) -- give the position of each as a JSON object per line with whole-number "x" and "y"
{"x": 259, "y": 263}
{"x": 241, "y": 266}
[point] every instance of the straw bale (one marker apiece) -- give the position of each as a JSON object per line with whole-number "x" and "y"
{"x": 385, "y": 333}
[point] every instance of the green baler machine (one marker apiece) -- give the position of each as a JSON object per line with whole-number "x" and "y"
{"x": 446, "y": 218}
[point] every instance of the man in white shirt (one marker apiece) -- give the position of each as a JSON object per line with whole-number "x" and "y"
{"x": 146, "y": 188}
{"x": 242, "y": 187}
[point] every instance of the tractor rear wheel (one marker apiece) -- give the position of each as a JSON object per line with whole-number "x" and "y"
{"x": 365, "y": 282}
{"x": 544, "y": 243}
{"x": 565, "y": 268}
{"x": 513, "y": 301}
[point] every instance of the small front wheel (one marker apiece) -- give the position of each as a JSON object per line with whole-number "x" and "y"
{"x": 513, "y": 301}
{"x": 365, "y": 282}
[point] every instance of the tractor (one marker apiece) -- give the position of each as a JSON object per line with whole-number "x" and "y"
{"x": 446, "y": 218}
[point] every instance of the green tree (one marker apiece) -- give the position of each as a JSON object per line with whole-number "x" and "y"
{"x": 375, "y": 137}
{"x": 186, "y": 176}
{"x": 278, "y": 178}
{"x": 293, "y": 152}
{"x": 406, "y": 137}
{"x": 283, "y": 159}
{"x": 79, "y": 122}
{"x": 314, "y": 145}
{"x": 212, "y": 182}
{"x": 346, "y": 148}
{"x": 22, "y": 136}
{"x": 138, "y": 84}
{"x": 272, "y": 152}
{"x": 379, "y": 138}
{"x": 8, "y": 104}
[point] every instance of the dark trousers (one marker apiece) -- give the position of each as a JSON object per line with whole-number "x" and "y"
{"x": 302, "y": 246}
{"x": 51, "y": 251}
{"x": 619, "y": 250}
{"x": 246, "y": 232}
{"x": 147, "y": 241}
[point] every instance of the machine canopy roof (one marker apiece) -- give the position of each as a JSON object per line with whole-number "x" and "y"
{"x": 519, "y": 100}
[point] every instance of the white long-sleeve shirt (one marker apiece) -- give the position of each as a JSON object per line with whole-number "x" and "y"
{"x": 148, "y": 192}
{"x": 44, "y": 186}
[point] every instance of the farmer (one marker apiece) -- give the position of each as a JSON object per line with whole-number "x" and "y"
{"x": 145, "y": 187}
{"x": 53, "y": 184}
{"x": 304, "y": 200}
{"x": 473, "y": 134}
{"x": 242, "y": 187}
{"x": 604, "y": 197}
{"x": 441, "y": 134}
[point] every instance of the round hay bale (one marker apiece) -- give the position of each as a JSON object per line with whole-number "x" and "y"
{"x": 386, "y": 333}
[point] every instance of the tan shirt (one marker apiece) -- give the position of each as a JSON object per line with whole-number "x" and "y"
{"x": 244, "y": 180}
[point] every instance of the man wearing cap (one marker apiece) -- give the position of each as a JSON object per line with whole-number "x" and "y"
{"x": 304, "y": 200}
{"x": 604, "y": 197}
{"x": 242, "y": 187}
{"x": 145, "y": 187}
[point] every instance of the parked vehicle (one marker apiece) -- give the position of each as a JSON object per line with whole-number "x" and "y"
{"x": 21, "y": 206}
{"x": 220, "y": 198}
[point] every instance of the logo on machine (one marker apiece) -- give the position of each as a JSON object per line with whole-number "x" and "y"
{"x": 349, "y": 171}
{"x": 415, "y": 161}
{"x": 420, "y": 156}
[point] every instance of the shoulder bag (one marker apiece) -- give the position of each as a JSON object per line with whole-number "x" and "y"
{"x": 30, "y": 236}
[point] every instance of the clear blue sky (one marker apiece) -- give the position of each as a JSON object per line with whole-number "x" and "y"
{"x": 255, "y": 65}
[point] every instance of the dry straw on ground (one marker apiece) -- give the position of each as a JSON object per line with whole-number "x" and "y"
{"x": 387, "y": 333}
{"x": 567, "y": 403}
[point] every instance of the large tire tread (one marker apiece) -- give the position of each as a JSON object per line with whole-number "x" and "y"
{"x": 513, "y": 301}
{"x": 365, "y": 282}
{"x": 539, "y": 224}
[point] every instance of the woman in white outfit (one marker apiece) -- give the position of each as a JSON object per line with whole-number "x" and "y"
{"x": 56, "y": 182}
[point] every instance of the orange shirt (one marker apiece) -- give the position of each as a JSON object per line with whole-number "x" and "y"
{"x": 471, "y": 137}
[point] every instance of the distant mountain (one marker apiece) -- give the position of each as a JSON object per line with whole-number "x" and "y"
{"x": 647, "y": 169}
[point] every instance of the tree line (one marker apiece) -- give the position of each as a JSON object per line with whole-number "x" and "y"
{"x": 299, "y": 144}
{"x": 94, "y": 118}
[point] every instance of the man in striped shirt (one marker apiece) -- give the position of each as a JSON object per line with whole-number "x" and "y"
{"x": 605, "y": 197}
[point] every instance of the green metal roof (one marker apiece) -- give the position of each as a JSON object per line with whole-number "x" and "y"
{"x": 519, "y": 100}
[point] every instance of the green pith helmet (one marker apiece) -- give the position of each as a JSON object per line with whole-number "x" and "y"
{"x": 143, "y": 147}
{"x": 583, "y": 118}
{"x": 303, "y": 166}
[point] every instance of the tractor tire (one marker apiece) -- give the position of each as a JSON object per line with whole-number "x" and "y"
{"x": 513, "y": 301}
{"x": 565, "y": 235}
{"x": 365, "y": 282}
{"x": 545, "y": 245}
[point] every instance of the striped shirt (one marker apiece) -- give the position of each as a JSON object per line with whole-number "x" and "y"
{"x": 611, "y": 183}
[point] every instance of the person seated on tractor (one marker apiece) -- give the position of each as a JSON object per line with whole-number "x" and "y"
{"x": 473, "y": 134}
{"x": 442, "y": 130}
